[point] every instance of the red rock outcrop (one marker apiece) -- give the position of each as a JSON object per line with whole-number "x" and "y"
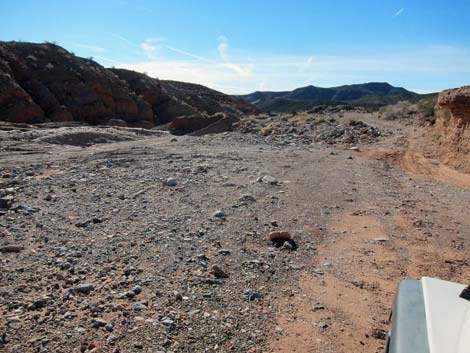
{"x": 45, "y": 83}
{"x": 165, "y": 107}
{"x": 188, "y": 124}
{"x": 453, "y": 126}
{"x": 55, "y": 85}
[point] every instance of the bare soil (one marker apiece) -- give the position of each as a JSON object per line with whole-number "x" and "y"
{"x": 103, "y": 215}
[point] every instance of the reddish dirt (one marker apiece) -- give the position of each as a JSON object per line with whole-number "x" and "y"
{"x": 354, "y": 296}
{"x": 366, "y": 254}
{"x": 363, "y": 221}
{"x": 415, "y": 163}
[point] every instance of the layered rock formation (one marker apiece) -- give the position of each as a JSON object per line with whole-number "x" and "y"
{"x": 453, "y": 126}
{"x": 164, "y": 106}
{"x": 45, "y": 83}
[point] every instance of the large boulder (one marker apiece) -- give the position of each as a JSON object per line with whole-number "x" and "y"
{"x": 191, "y": 123}
{"x": 453, "y": 126}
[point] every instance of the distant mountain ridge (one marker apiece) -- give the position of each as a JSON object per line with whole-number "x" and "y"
{"x": 369, "y": 95}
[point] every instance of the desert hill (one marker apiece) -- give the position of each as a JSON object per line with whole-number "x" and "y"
{"x": 372, "y": 95}
{"x": 46, "y": 83}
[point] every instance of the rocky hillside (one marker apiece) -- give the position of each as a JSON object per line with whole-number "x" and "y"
{"x": 207, "y": 99}
{"x": 45, "y": 83}
{"x": 373, "y": 95}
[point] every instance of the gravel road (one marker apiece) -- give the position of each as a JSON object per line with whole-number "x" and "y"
{"x": 151, "y": 243}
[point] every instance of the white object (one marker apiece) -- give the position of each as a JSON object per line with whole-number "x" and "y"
{"x": 447, "y": 316}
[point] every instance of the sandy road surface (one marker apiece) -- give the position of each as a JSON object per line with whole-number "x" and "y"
{"x": 101, "y": 216}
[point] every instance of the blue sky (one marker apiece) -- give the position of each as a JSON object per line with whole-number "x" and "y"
{"x": 240, "y": 46}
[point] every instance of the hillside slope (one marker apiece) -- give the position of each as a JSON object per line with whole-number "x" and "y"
{"x": 373, "y": 95}
{"x": 46, "y": 83}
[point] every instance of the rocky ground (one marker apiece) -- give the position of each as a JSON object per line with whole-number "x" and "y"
{"x": 113, "y": 240}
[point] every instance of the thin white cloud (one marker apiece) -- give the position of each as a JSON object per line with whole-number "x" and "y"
{"x": 148, "y": 47}
{"x": 428, "y": 66}
{"x": 222, "y": 48}
{"x": 399, "y": 12}
{"x": 155, "y": 40}
{"x": 123, "y": 39}
{"x": 92, "y": 48}
{"x": 188, "y": 54}
{"x": 426, "y": 69}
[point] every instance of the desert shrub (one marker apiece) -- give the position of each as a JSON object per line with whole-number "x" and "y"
{"x": 400, "y": 110}
{"x": 426, "y": 108}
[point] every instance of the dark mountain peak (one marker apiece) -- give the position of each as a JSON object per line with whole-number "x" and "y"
{"x": 370, "y": 95}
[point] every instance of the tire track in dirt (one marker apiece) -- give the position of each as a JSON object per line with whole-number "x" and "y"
{"x": 346, "y": 309}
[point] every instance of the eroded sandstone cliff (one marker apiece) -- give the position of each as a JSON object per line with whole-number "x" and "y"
{"x": 46, "y": 83}
{"x": 453, "y": 126}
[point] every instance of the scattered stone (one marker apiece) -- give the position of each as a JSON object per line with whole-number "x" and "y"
{"x": 378, "y": 333}
{"x": 6, "y": 202}
{"x": 137, "y": 290}
{"x": 211, "y": 281}
{"x": 26, "y": 209}
{"x": 82, "y": 224}
{"x": 218, "y": 272}
{"x": 98, "y": 322}
{"x": 171, "y": 182}
{"x": 111, "y": 339}
{"x": 251, "y": 294}
{"x": 138, "y": 345}
{"x": 268, "y": 179}
{"x": 322, "y": 325}
{"x": 138, "y": 307}
{"x": 219, "y": 214}
{"x": 379, "y": 240}
{"x": 279, "y": 236}
{"x": 282, "y": 239}
{"x": 247, "y": 198}
{"x": 289, "y": 245}
{"x": 84, "y": 288}
{"x": 11, "y": 248}
{"x": 14, "y": 322}
{"x": 358, "y": 283}
{"x": 168, "y": 322}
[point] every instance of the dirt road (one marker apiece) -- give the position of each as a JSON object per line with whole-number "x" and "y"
{"x": 113, "y": 259}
